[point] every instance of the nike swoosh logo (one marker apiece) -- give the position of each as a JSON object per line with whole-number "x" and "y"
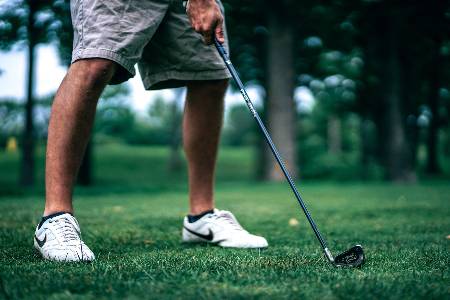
{"x": 208, "y": 237}
{"x": 41, "y": 243}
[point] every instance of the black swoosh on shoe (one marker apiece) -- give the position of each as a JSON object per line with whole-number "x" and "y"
{"x": 40, "y": 243}
{"x": 209, "y": 237}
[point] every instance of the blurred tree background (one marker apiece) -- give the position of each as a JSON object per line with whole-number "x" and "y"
{"x": 350, "y": 90}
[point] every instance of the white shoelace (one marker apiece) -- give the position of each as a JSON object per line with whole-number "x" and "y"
{"x": 66, "y": 229}
{"x": 227, "y": 218}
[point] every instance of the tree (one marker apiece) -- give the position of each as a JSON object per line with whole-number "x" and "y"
{"x": 399, "y": 50}
{"x": 281, "y": 111}
{"x": 11, "y": 124}
{"x": 240, "y": 129}
{"x": 114, "y": 115}
{"x": 48, "y": 21}
{"x": 28, "y": 23}
{"x": 264, "y": 41}
{"x": 403, "y": 73}
{"x": 437, "y": 28}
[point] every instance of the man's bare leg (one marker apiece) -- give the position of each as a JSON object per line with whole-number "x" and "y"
{"x": 69, "y": 130}
{"x": 202, "y": 123}
{"x": 203, "y": 116}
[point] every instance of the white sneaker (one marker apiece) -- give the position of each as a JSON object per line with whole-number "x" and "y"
{"x": 221, "y": 228}
{"x": 59, "y": 239}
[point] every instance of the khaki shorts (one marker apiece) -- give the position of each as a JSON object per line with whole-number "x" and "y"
{"x": 155, "y": 34}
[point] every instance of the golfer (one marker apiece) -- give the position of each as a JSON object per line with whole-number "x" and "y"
{"x": 171, "y": 43}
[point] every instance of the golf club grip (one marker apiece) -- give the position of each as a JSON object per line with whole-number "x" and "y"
{"x": 234, "y": 74}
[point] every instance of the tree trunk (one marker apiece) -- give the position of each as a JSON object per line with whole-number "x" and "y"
{"x": 369, "y": 104}
{"x": 281, "y": 107}
{"x": 262, "y": 157}
{"x": 334, "y": 135}
{"x": 397, "y": 151}
{"x": 28, "y": 143}
{"x": 411, "y": 94}
{"x": 433, "y": 102}
{"x": 365, "y": 150}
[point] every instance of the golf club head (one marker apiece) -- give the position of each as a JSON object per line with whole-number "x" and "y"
{"x": 353, "y": 257}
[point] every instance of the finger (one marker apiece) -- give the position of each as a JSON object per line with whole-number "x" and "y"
{"x": 218, "y": 32}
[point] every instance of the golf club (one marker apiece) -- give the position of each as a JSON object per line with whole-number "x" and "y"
{"x": 353, "y": 257}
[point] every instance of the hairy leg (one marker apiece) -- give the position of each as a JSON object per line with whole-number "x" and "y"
{"x": 203, "y": 116}
{"x": 72, "y": 115}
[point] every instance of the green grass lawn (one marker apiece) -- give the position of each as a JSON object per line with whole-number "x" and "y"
{"x": 132, "y": 221}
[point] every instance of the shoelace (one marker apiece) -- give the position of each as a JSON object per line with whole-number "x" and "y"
{"x": 66, "y": 229}
{"x": 228, "y": 219}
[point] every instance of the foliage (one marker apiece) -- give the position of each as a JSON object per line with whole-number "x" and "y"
{"x": 47, "y": 26}
{"x": 240, "y": 129}
{"x": 11, "y": 120}
{"x": 116, "y": 119}
{"x": 11, "y": 114}
{"x": 341, "y": 55}
{"x": 114, "y": 116}
{"x": 132, "y": 220}
{"x": 344, "y": 53}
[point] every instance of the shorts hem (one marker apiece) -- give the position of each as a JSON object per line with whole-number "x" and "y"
{"x": 83, "y": 53}
{"x": 157, "y": 81}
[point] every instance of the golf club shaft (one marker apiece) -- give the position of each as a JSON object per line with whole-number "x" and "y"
{"x": 269, "y": 141}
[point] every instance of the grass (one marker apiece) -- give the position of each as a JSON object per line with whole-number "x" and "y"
{"x": 132, "y": 221}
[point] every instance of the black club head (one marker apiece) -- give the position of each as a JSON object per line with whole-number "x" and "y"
{"x": 353, "y": 257}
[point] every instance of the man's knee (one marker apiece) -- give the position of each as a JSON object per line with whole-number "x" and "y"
{"x": 95, "y": 71}
{"x": 216, "y": 85}
{"x": 213, "y": 87}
